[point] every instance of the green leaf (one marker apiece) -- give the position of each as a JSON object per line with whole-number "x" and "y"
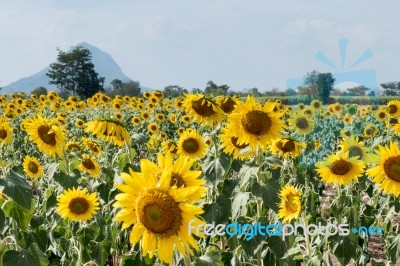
{"x": 268, "y": 192}
{"x": 218, "y": 211}
{"x": 123, "y": 159}
{"x": 20, "y": 258}
{"x": 211, "y": 258}
{"x": 344, "y": 247}
{"x": 2, "y": 219}
{"x": 392, "y": 246}
{"x": 239, "y": 205}
{"x": 16, "y": 187}
{"x": 279, "y": 246}
{"x": 39, "y": 255}
{"x": 21, "y": 215}
{"x": 67, "y": 181}
{"x": 214, "y": 169}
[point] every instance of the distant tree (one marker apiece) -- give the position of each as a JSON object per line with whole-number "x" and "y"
{"x": 391, "y": 88}
{"x": 116, "y": 84}
{"x": 130, "y": 88}
{"x": 357, "y": 91}
{"x": 252, "y": 91}
{"x": 39, "y": 91}
{"x": 371, "y": 93}
{"x": 324, "y": 83}
{"x": 337, "y": 92}
{"x": 174, "y": 91}
{"x": 196, "y": 91}
{"x": 74, "y": 72}
{"x": 291, "y": 92}
{"x": 215, "y": 90}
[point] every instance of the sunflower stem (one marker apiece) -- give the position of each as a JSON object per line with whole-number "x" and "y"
{"x": 66, "y": 162}
{"x": 258, "y": 200}
{"x": 186, "y": 258}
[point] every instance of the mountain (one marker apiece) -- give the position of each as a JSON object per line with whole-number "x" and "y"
{"x": 104, "y": 64}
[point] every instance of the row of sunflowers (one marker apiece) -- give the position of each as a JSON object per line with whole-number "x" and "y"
{"x": 118, "y": 181}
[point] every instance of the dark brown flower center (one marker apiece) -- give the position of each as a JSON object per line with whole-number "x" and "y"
{"x": 289, "y": 146}
{"x": 191, "y": 145}
{"x": 234, "y": 142}
{"x": 257, "y": 122}
{"x": 44, "y": 135}
{"x": 392, "y": 109}
{"x": 159, "y": 213}
{"x": 301, "y": 123}
{"x": 88, "y": 164}
{"x": 78, "y": 205}
{"x": 203, "y": 108}
{"x": 3, "y": 134}
{"x": 228, "y": 106}
{"x": 341, "y": 167}
{"x": 33, "y": 167}
{"x": 392, "y": 168}
{"x": 177, "y": 180}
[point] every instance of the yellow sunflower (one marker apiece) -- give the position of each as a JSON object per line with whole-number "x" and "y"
{"x": 302, "y": 124}
{"x": 255, "y": 124}
{"x": 169, "y": 146}
{"x": 79, "y": 122}
{"x": 340, "y": 169}
{"x": 144, "y": 115}
{"x": 73, "y": 145}
{"x": 355, "y": 148}
{"x": 202, "y": 109}
{"x": 49, "y": 138}
{"x": 316, "y": 105}
{"x": 192, "y": 145}
{"x": 160, "y": 213}
{"x": 6, "y": 134}
{"x": 153, "y": 128}
{"x": 32, "y": 167}
{"x": 112, "y": 131}
{"x": 90, "y": 166}
{"x": 227, "y": 104}
{"x": 92, "y": 146}
{"x": 172, "y": 118}
{"x": 160, "y": 117}
{"x": 393, "y": 107}
{"x": 287, "y": 147}
{"x": 135, "y": 120}
{"x": 370, "y": 130}
{"x": 77, "y": 204}
{"x": 381, "y": 115}
{"x": 387, "y": 172}
{"x": 290, "y": 205}
{"x": 230, "y": 146}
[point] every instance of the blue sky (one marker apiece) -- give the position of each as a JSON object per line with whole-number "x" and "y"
{"x": 242, "y": 43}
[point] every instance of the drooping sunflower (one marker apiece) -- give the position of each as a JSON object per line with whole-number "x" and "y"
{"x": 202, "y": 109}
{"x": 73, "y": 145}
{"x": 230, "y": 146}
{"x": 227, "y": 104}
{"x": 355, "y": 148}
{"x": 340, "y": 169}
{"x": 111, "y": 130}
{"x": 77, "y": 204}
{"x": 49, "y": 138}
{"x": 303, "y": 124}
{"x": 159, "y": 212}
{"x": 192, "y": 145}
{"x": 6, "y": 133}
{"x": 169, "y": 146}
{"x": 255, "y": 124}
{"x": 181, "y": 175}
{"x": 387, "y": 172}
{"x": 32, "y": 167}
{"x": 287, "y": 147}
{"x": 393, "y": 107}
{"x": 92, "y": 146}
{"x": 89, "y": 165}
{"x": 290, "y": 205}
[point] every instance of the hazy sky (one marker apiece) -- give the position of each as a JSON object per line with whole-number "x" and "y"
{"x": 242, "y": 43}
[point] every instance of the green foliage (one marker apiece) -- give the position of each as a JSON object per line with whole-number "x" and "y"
{"x": 323, "y": 82}
{"x": 129, "y": 88}
{"x": 39, "y": 91}
{"x": 74, "y": 72}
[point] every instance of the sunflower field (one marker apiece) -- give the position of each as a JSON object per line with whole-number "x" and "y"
{"x": 156, "y": 181}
